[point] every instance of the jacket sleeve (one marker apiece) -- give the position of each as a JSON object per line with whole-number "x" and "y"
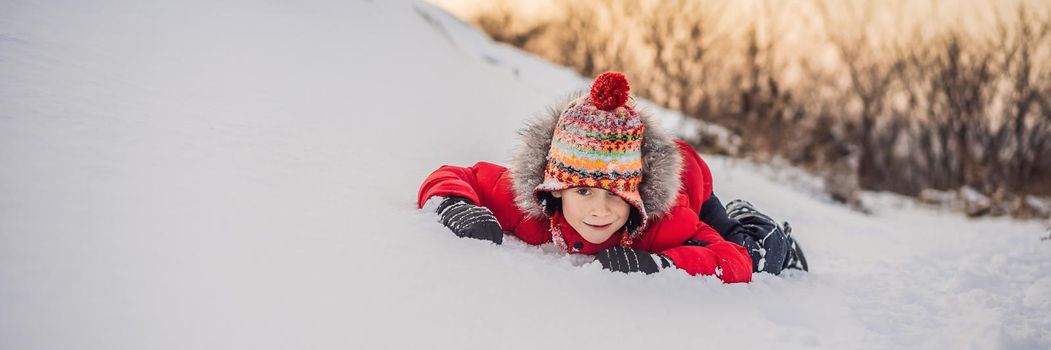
{"x": 487, "y": 185}
{"x": 451, "y": 181}
{"x": 705, "y": 252}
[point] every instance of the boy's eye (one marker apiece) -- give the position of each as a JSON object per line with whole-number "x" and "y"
{"x": 583, "y": 191}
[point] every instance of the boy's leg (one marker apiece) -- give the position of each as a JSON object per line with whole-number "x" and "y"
{"x": 776, "y": 249}
{"x": 715, "y": 215}
{"x": 755, "y": 252}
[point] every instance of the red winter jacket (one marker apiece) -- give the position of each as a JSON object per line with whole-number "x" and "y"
{"x": 671, "y": 223}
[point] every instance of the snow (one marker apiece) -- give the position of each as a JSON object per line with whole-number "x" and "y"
{"x": 970, "y": 195}
{"x": 1040, "y": 205}
{"x": 228, "y": 174}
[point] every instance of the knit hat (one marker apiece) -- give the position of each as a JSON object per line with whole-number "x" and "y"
{"x": 597, "y": 143}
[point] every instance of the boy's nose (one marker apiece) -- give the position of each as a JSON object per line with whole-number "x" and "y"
{"x": 602, "y": 209}
{"x": 600, "y": 212}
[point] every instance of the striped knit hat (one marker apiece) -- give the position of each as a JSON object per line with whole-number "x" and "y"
{"x": 597, "y": 143}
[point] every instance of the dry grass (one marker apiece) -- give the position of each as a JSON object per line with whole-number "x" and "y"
{"x": 896, "y": 96}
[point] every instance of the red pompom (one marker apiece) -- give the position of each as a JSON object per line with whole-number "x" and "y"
{"x": 609, "y": 91}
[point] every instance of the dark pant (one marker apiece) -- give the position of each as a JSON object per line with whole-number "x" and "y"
{"x": 769, "y": 246}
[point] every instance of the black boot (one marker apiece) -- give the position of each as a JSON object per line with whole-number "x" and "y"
{"x": 795, "y": 258}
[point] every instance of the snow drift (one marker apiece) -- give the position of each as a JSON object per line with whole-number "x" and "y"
{"x": 216, "y": 175}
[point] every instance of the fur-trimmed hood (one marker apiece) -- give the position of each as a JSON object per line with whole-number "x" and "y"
{"x": 661, "y": 159}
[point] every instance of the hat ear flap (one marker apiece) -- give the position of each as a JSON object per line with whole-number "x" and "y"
{"x": 550, "y": 203}
{"x": 634, "y": 222}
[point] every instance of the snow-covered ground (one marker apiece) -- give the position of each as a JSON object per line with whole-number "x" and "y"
{"x": 242, "y": 175}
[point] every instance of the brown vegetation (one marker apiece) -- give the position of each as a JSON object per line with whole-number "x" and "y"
{"x": 907, "y": 110}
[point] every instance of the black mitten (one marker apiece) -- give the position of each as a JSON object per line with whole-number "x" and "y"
{"x": 468, "y": 220}
{"x": 630, "y": 260}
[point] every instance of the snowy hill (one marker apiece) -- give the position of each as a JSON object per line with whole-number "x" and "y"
{"x": 234, "y": 175}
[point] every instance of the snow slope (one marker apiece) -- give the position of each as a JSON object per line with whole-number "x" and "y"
{"x": 233, "y": 174}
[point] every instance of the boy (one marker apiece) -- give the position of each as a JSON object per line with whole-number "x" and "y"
{"x": 600, "y": 178}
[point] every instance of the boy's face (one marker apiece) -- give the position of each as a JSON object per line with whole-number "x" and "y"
{"x": 594, "y": 212}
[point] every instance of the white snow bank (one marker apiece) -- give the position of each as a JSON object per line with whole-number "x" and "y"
{"x": 216, "y": 175}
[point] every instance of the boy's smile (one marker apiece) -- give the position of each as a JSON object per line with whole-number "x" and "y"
{"x": 597, "y": 227}
{"x": 595, "y": 213}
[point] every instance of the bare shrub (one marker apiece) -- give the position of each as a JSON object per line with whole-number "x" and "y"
{"x": 906, "y": 109}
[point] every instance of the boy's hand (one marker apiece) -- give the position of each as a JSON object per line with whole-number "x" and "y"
{"x": 468, "y": 220}
{"x": 630, "y": 260}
